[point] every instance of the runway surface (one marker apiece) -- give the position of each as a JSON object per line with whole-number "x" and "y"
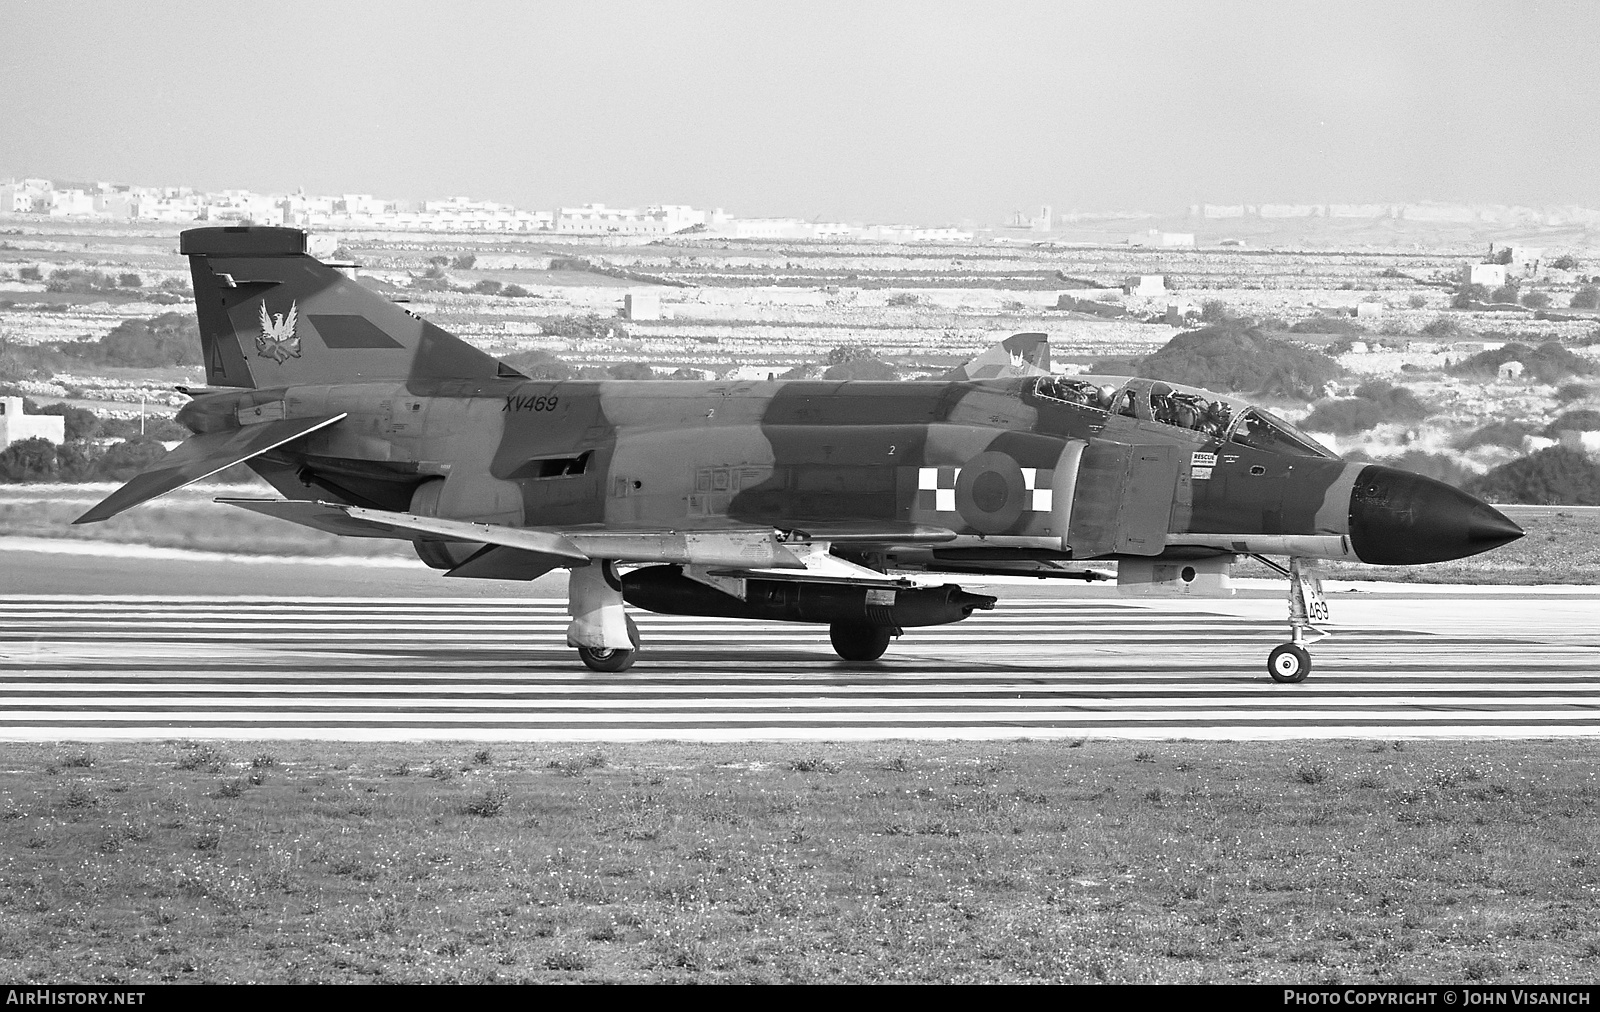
{"x": 1407, "y": 663}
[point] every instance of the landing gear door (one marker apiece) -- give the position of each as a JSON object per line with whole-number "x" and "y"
{"x": 1123, "y": 500}
{"x": 1306, "y": 603}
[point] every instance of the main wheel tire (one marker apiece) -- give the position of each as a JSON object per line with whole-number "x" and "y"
{"x": 858, "y": 641}
{"x": 612, "y": 660}
{"x": 1289, "y": 663}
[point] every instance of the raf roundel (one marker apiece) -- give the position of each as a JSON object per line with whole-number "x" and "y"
{"x": 991, "y": 492}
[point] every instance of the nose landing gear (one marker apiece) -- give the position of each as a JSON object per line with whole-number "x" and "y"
{"x": 1291, "y": 662}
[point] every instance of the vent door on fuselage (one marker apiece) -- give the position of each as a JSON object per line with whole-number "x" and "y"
{"x": 1122, "y": 503}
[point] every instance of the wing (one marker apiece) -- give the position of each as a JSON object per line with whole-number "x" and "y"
{"x": 744, "y": 547}
{"x": 287, "y": 331}
{"x": 736, "y": 551}
{"x": 266, "y": 321}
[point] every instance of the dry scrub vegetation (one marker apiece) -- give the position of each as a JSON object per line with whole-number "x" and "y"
{"x": 193, "y": 526}
{"x": 1069, "y": 861}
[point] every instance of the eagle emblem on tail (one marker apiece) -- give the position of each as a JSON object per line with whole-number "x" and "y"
{"x": 278, "y": 341}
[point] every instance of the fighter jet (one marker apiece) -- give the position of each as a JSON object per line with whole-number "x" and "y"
{"x": 850, "y": 504}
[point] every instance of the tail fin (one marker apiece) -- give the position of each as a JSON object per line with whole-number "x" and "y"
{"x": 271, "y": 316}
{"x": 1017, "y": 355}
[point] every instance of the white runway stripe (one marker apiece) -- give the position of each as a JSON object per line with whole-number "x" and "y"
{"x": 376, "y": 668}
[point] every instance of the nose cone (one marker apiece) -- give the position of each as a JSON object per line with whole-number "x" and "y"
{"x": 1402, "y": 519}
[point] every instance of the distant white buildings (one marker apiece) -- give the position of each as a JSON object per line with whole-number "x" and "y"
{"x": 26, "y": 196}
{"x": 16, "y": 426}
{"x": 1428, "y": 211}
{"x": 454, "y": 214}
{"x": 1487, "y": 275}
{"x": 366, "y": 203}
{"x": 185, "y": 205}
{"x": 1518, "y": 262}
{"x": 71, "y": 203}
{"x": 642, "y": 305}
{"x": 1146, "y": 286}
{"x": 1164, "y": 240}
{"x": 658, "y": 219}
{"x": 1526, "y": 260}
{"x": 911, "y": 233}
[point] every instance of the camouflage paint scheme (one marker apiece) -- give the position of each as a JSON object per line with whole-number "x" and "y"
{"x": 340, "y": 396}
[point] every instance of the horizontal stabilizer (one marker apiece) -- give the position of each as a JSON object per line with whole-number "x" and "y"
{"x": 203, "y": 455}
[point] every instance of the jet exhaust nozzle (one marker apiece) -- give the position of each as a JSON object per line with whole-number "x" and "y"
{"x": 666, "y": 590}
{"x": 1402, "y": 519}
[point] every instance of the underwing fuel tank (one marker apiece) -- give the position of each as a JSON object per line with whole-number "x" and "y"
{"x": 1402, "y": 519}
{"x": 666, "y": 590}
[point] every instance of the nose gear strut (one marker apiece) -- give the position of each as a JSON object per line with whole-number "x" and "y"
{"x": 1291, "y": 662}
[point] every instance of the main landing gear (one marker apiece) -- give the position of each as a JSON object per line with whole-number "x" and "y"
{"x": 606, "y": 638}
{"x": 1291, "y": 662}
{"x": 859, "y": 641}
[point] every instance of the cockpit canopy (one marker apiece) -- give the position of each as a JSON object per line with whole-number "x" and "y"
{"x": 1221, "y": 418}
{"x": 1264, "y": 430}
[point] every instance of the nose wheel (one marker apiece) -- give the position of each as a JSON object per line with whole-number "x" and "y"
{"x": 1290, "y": 662}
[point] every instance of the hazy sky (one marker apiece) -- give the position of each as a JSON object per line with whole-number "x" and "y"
{"x": 928, "y": 112}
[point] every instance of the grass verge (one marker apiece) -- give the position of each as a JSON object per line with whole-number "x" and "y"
{"x": 1072, "y": 861}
